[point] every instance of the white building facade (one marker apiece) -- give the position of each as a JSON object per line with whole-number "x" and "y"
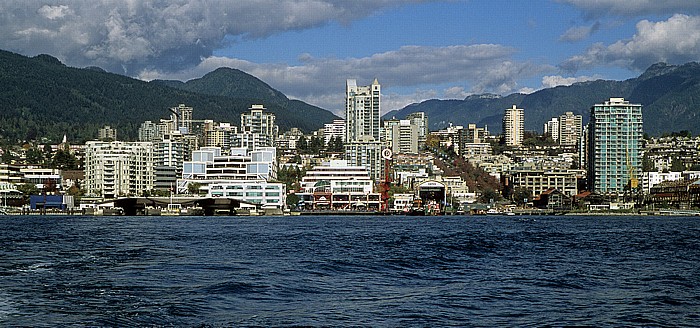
{"x": 114, "y": 169}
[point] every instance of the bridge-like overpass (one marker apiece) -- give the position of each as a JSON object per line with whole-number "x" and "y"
{"x": 210, "y": 206}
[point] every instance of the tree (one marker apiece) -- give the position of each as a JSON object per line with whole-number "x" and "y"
{"x": 292, "y": 200}
{"x": 489, "y": 195}
{"x": 302, "y": 145}
{"x": 28, "y": 189}
{"x": 522, "y": 195}
{"x": 193, "y": 188}
{"x": 677, "y": 165}
{"x": 64, "y": 160}
{"x": 648, "y": 164}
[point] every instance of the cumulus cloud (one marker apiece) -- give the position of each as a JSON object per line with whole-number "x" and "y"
{"x": 596, "y": 8}
{"x": 486, "y": 67}
{"x": 551, "y": 81}
{"x": 128, "y": 36}
{"x": 579, "y": 33}
{"x": 675, "y": 41}
{"x": 456, "y": 93}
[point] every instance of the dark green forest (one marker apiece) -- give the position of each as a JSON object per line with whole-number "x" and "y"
{"x": 42, "y": 99}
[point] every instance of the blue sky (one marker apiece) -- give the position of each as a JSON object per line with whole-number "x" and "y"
{"x": 417, "y": 49}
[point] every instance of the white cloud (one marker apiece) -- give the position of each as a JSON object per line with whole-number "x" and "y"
{"x": 456, "y": 93}
{"x": 128, "y": 36}
{"x": 320, "y": 81}
{"x": 579, "y": 33}
{"x": 634, "y": 7}
{"x": 552, "y": 81}
{"x": 675, "y": 41}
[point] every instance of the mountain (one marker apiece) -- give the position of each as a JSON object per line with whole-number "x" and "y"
{"x": 43, "y": 98}
{"x": 670, "y": 95}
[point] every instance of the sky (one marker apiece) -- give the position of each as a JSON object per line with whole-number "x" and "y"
{"x": 418, "y": 50}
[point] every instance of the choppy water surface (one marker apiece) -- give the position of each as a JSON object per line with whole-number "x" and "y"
{"x": 349, "y": 271}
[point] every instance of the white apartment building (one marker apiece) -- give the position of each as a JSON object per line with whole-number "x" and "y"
{"x": 401, "y": 136}
{"x": 258, "y": 129}
{"x": 420, "y": 120}
{"x": 650, "y": 179}
{"x": 368, "y": 155}
{"x": 552, "y": 128}
{"x": 219, "y": 135}
{"x": 514, "y": 126}
{"x": 362, "y": 110}
{"x": 148, "y": 131}
{"x": 570, "y": 126}
{"x": 107, "y": 133}
{"x": 335, "y": 129}
{"x": 208, "y": 166}
{"x": 114, "y": 169}
{"x": 539, "y": 181}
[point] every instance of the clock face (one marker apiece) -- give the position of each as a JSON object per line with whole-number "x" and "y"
{"x": 386, "y": 153}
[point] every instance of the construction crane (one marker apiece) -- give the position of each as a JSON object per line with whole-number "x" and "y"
{"x": 631, "y": 172}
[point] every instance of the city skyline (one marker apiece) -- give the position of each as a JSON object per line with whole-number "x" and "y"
{"x": 419, "y": 50}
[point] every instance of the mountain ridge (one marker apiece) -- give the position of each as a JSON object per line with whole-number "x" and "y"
{"x": 44, "y": 99}
{"x": 670, "y": 95}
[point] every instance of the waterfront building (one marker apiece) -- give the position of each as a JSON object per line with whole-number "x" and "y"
{"x": 107, "y": 133}
{"x": 514, "y": 126}
{"x": 114, "y": 169}
{"x": 209, "y": 166}
{"x": 362, "y": 110}
{"x": 10, "y": 173}
{"x": 266, "y": 194}
{"x": 569, "y": 129}
{"x": 42, "y": 178}
{"x": 169, "y": 155}
{"x": 336, "y": 184}
{"x": 420, "y": 119}
{"x": 615, "y": 146}
{"x": 538, "y": 181}
{"x": 651, "y": 179}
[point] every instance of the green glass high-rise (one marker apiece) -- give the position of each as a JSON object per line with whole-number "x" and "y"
{"x": 615, "y": 145}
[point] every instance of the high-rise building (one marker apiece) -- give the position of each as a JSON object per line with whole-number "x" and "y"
{"x": 182, "y": 116}
{"x": 552, "y": 128}
{"x": 107, "y": 133}
{"x": 615, "y": 146}
{"x": 148, "y": 131}
{"x": 219, "y": 135}
{"x": 401, "y": 136}
{"x": 421, "y": 120}
{"x": 363, "y": 145}
{"x": 367, "y": 154}
{"x": 258, "y": 129}
{"x": 362, "y": 108}
{"x": 514, "y": 126}
{"x": 569, "y": 129}
{"x": 116, "y": 168}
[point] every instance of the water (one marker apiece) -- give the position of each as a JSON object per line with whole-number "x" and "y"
{"x": 349, "y": 271}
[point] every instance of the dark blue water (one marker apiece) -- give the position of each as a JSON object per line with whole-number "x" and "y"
{"x": 349, "y": 271}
